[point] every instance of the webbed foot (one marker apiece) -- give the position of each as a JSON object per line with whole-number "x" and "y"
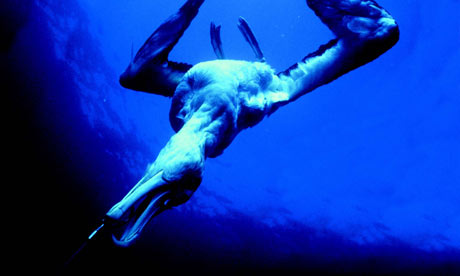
{"x": 250, "y": 38}
{"x": 216, "y": 41}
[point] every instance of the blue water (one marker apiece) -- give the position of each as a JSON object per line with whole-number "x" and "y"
{"x": 360, "y": 176}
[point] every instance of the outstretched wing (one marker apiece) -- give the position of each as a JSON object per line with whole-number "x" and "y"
{"x": 363, "y": 30}
{"x": 151, "y": 71}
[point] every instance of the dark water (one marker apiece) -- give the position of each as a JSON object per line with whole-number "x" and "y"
{"x": 360, "y": 177}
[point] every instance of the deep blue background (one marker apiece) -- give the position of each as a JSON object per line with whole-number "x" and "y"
{"x": 361, "y": 176}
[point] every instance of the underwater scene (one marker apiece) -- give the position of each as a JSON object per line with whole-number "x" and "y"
{"x": 359, "y": 177}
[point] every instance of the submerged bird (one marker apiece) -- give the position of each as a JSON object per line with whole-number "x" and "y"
{"x": 213, "y": 101}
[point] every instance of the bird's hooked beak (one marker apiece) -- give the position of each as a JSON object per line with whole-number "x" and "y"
{"x": 146, "y": 200}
